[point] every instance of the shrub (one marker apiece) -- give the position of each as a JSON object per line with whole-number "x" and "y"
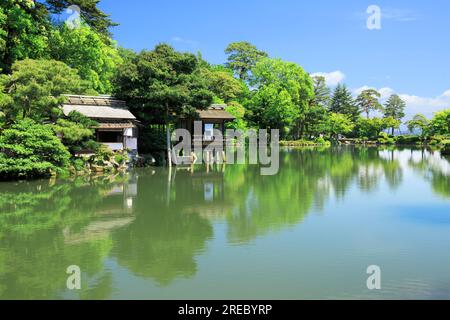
{"x": 320, "y": 140}
{"x": 305, "y": 143}
{"x": 436, "y": 140}
{"x": 408, "y": 140}
{"x": 76, "y": 133}
{"x": 31, "y": 150}
{"x": 384, "y": 138}
{"x": 297, "y": 143}
{"x": 120, "y": 158}
{"x": 446, "y": 149}
{"x": 79, "y": 164}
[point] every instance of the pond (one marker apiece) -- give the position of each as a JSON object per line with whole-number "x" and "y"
{"x": 226, "y": 232}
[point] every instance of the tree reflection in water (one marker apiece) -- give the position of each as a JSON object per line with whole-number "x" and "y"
{"x": 155, "y": 223}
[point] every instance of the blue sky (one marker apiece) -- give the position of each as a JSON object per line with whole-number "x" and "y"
{"x": 409, "y": 55}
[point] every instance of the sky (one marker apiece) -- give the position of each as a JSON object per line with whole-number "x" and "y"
{"x": 409, "y": 55}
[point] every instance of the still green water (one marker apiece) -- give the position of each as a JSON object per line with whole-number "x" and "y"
{"x": 309, "y": 232}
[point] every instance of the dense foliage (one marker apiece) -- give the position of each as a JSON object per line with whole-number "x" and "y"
{"x": 242, "y": 58}
{"x": 35, "y": 89}
{"x": 281, "y": 101}
{"x": 76, "y": 133}
{"x": 29, "y": 149}
{"x": 162, "y": 85}
{"x": 42, "y": 59}
{"x": 85, "y": 50}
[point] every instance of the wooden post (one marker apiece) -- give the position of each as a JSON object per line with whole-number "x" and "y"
{"x": 169, "y": 151}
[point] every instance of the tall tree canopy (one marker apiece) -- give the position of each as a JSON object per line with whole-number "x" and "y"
{"x": 321, "y": 92}
{"x": 242, "y": 57}
{"x": 284, "y": 91}
{"x": 337, "y": 124}
{"x": 161, "y": 85}
{"x": 318, "y": 107}
{"x": 440, "y": 124}
{"x": 24, "y": 28}
{"x": 342, "y": 102}
{"x": 418, "y": 122}
{"x": 83, "y": 49}
{"x": 35, "y": 88}
{"x": 221, "y": 82}
{"x": 368, "y": 101}
{"x": 90, "y": 13}
{"x": 394, "y": 108}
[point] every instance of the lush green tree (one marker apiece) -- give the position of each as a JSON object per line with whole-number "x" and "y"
{"x": 418, "y": 122}
{"x": 238, "y": 111}
{"x": 368, "y": 100}
{"x": 283, "y": 95}
{"x": 394, "y": 108}
{"x": 392, "y": 123}
{"x": 343, "y": 102}
{"x": 440, "y": 124}
{"x": 242, "y": 57}
{"x": 222, "y": 83}
{"x": 83, "y": 49}
{"x": 318, "y": 107}
{"x": 163, "y": 85}
{"x": 272, "y": 107}
{"x": 337, "y": 124}
{"x": 24, "y": 28}
{"x": 321, "y": 92}
{"x": 3, "y": 31}
{"x": 89, "y": 11}
{"x": 30, "y": 150}
{"x": 76, "y": 133}
{"x": 35, "y": 88}
{"x": 370, "y": 128}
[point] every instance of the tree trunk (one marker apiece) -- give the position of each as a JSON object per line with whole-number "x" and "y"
{"x": 302, "y": 131}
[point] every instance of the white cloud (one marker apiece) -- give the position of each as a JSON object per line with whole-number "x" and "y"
{"x": 332, "y": 78}
{"x": 426, "y": 105}
{"x": 385, "y": 92}
{"x": 414, "y": 104}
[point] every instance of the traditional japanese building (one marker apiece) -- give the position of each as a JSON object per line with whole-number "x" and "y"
{"x": 215, "y": 117}
{"x": 117, "y": 126}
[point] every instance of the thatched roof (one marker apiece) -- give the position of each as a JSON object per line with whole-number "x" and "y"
{"x": 216, "y": 111}
{"x": 101, "y": 107}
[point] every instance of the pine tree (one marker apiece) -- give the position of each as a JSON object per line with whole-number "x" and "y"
{"x": 395, "y": 108}
{"x": 342, "y": 102}
{"x": 368, "y": 101}
{"x": 90, "y": 13}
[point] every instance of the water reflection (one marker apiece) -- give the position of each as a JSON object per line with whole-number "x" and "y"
{"x": 156, "y": 223}
{"x": 434, "y": 168}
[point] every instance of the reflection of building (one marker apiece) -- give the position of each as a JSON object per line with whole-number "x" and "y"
{"x": 116, "y": 125}
{"x": 203, "y": 193}
{"x": 114, "y": 212}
